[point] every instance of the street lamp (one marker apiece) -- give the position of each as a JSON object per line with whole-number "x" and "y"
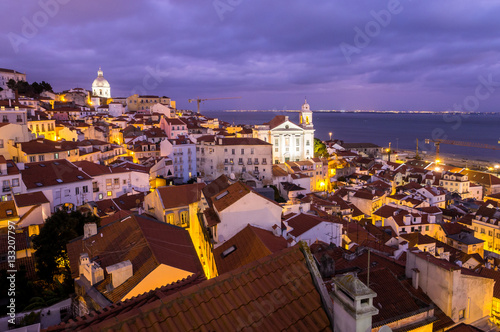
{"x": 330, "y": 133}
{"x": 497, "y": 167}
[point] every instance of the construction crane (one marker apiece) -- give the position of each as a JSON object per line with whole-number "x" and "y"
{"x": 438, "y": 142}
{"x": 200, "y": 100}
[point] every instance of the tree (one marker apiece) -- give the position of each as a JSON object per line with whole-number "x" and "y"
{"x": 51, "y": 256}
{"x": 320, "y": 149}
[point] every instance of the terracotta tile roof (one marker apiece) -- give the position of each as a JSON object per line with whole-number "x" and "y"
{"x": 52, "y": 171}
{"x": 276, "y": 121}
{"x": 231, "y": 301}
{"x": 302, "y": 222}
{"x": 146, "y": 242}
{"x": 8, "y": 210}
{"x": 359, "y": 261}
{"x": 27, "y": 263}
{"x": 462, "y": 327}
{"x": 95, "y": 318}
{"x": 215, "y": 187}
{"x": 492, "y": 274}
{"x": 243, "y": 141}
{"x": 415, "y": 239}
{"x": 94, "y": 169}
{"x": 229, "y": 196}
{"x": 211, "y": 217}
{"x": 386, "y": 211}
{"x": 121, "y": 214}
{"x": 250, "y": 244}
{"x": 393, "y": 300}
{"x": 278, "y": 171}
{"x": 179, "y": 196}
{"x": 21, "y": 238}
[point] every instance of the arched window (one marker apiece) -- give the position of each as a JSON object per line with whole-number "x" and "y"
{"x": 170, "y": 218}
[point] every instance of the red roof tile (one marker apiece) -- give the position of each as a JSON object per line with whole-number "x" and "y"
{"x": 233, "y": 301}
{"x": 30, "y": 199}
{"x": 250, "y": 244}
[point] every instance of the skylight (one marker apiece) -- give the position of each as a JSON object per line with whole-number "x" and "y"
{"x": 38, "y": 184}
{"x": 59, "y": 180}
{"x": 221, "y": 195}
{"x": 228, "y": 251}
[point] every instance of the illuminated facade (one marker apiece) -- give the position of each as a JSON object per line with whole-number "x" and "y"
{"x": 101, "y": 87}
{"x": 291, "y": 142}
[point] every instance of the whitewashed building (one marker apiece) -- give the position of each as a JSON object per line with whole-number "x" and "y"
{"x": 291, "y": 142}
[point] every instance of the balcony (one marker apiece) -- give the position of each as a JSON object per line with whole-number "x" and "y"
{"x": 6, "y": 189}
{"x": 256, "y": 162}
{"x": 249, "y": 162}
{"x": 240, "y": 162}
{"x": 264, "y": 162}
{"x": 256, "y": 173}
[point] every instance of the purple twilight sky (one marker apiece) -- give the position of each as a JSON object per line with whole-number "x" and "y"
{"x": 382, "y": 55}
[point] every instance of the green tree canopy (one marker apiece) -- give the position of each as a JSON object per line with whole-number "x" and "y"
{"x": 320, "y": 149}
{"x": 50, "y": 244}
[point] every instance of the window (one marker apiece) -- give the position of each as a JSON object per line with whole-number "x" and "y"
{"x": 32, "y": 159}
{"x": 461, "y": 314}
{"x": 264, "y": 160}
{"x": 276, "y": 141}
{"x": 307, "y": 143}
{"x": 276, "y": 150}
{"x": 15, "y": 183}
{"x": 482, "y": 230}
{"x": 5, "y": 119}
{"x": 117, "y": 182}
{"x": 170, "y": 218}
{"x": 108, "y": 182}
{"x": 1, "y": 143}
{"x": 77, "y": 190}
{"x": 184, "y": 219}
{"x": 58, "y": 194}
{"x": 225, "y": 149}
{"x": 490, "y": 233}
{"x": 67, "y": 192}
{"x": 233, "y": 151}
{"x": 56, "y": 155}
{"x": 85, "y": 189}
{"x": 242, "y": 151}
{"x": 100, "y": 196}
{"x": 41, "y": 157}
{"x": 251, "y": 151}
{"x": 124, "y": 182}
{"x": 109, "y": 193}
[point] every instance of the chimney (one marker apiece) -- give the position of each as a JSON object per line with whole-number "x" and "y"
{"x": 90, "y": 270}
{"x": 120, "y": 272}
{"x": 89, "y": 230}
{"x": 415, "y": 274}
{"x": 352, "y": 304}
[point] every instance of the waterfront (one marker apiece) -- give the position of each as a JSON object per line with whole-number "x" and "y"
{"x": 401, "y": 130}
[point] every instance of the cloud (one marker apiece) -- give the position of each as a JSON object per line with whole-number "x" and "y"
{"x": 273, "y": 53}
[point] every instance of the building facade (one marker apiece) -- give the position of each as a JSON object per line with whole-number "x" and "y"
{"x": 291, "y": 142}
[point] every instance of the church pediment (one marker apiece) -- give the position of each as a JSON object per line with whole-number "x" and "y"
{"x": 287, "y": 125}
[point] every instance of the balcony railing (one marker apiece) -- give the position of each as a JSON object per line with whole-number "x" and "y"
{"x": 249, "y": 162}
{"x": 6, "y": 189}
{"x": 256, "y": 162}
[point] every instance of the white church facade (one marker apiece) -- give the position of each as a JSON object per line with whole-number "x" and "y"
{"x": 100, "y": 86}
{"x": 291, "y": 142}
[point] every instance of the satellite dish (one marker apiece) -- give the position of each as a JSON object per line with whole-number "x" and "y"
{"x": 385, "y": 328}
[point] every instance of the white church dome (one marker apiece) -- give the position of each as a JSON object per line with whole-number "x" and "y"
{"x": 100, "y": 81}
